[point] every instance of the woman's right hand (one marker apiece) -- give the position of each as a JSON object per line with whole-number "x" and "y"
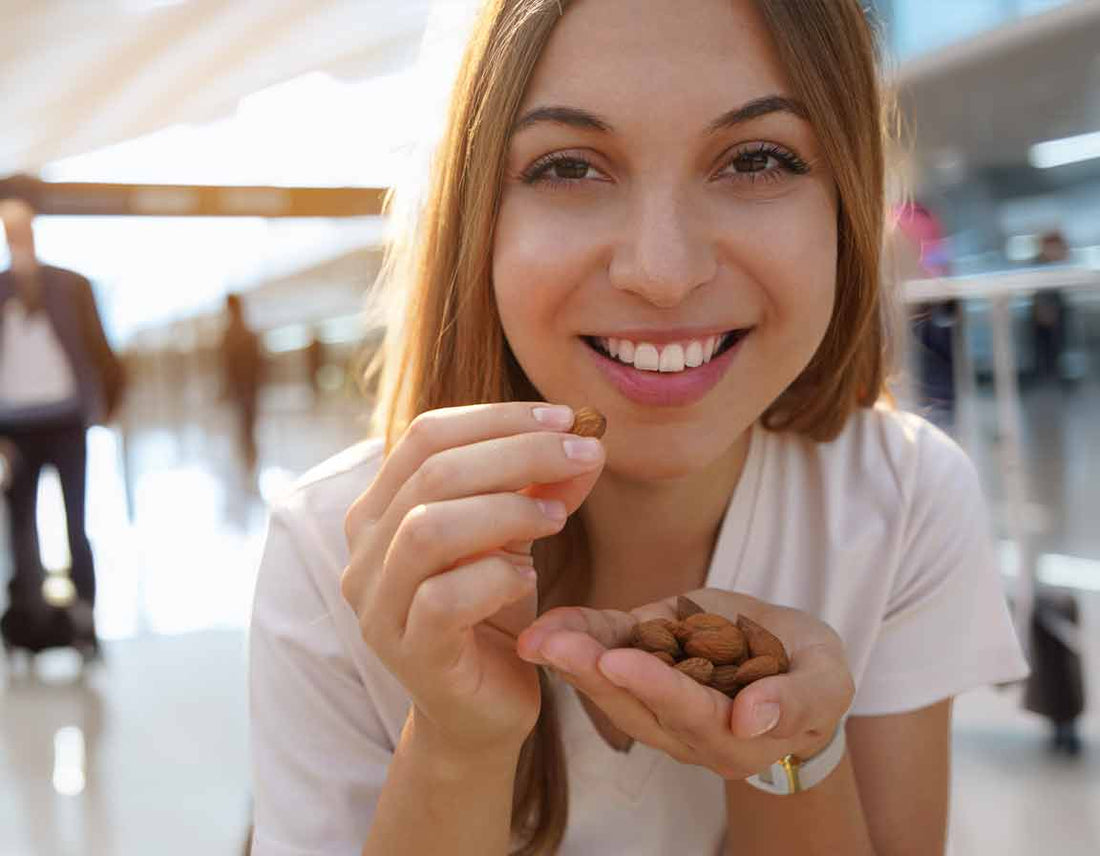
{"x": 440, "y": 572}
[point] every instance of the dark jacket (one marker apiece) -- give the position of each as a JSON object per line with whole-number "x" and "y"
{"x": 68, "y": 301}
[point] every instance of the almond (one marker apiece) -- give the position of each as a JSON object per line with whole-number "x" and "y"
{"x": 685, "y": 606}
{"x": 588, "y": 422}
{"x": 724, "y": 679}
{"x": 706, "y": 621}
{"x": 756, "y": 668}
{"x": 654, "y": 636}
{"x": 664, "y": 657}
{"x": 696, "y": 668}
{"x": 763, "y": 643}
{"x": 722, "y": 647}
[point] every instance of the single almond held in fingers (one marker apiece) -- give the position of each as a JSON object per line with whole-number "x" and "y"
{"x": 589, "y": 422}
{"x": 724, "y": 679}
{"x": 697, "y": 668}
{"x": 654, "y": 636}
{"x": 756, "y": 668}
{"x": 763, "y": 642}
{"x": 722, "y": 646}
{"x": 685, "y": 606}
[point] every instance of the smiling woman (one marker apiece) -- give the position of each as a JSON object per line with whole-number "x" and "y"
{"x": 672, "y": 213}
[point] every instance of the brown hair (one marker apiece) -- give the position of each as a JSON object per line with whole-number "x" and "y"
{"x": 447, "y": 347}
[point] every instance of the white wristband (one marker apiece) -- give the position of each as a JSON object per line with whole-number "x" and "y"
{"x": 790, "y": 775}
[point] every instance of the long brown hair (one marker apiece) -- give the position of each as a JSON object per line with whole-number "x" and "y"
{"x": 445, "y": 346}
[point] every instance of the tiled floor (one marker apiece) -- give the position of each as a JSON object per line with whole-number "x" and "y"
{"x": 147, "y": 754}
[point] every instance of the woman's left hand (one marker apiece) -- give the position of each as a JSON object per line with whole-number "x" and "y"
{"x": 793, "y": 713}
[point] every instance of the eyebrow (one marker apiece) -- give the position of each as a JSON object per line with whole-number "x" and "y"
{"x": 574, "y": 117}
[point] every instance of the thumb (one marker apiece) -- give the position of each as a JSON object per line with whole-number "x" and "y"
{"x": 808, "y": 701}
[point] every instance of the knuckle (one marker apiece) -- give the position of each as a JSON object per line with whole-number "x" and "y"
{"x": 354, "y": 519}
{"x": 421, "y": 431}
{"x": 435, "y": 474}
{"x": 432, "y": 599}
{"x": 420, "y": 528}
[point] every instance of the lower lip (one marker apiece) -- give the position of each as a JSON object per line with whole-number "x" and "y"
{"x": 665, "y": 389}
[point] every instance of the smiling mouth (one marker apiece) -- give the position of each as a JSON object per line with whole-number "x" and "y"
{"x": 669, "y": 357}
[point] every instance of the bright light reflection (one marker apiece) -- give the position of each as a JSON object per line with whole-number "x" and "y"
{"x": 68, "y": 761}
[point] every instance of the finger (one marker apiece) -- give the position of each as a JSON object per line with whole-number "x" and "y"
{"x": 693, "y": 713}
{"x": 576, "y": 655}
{"x": 493, "y": 466}
{"x": 445, "y": 428}
{"x": 807, "y": 702}
{"x": 608, "y": 627}
{"x": 448, "y": 605}
{"x": 434, "y": 537}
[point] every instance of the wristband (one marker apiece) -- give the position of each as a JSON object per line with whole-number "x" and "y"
{"x": 791, "y": 774}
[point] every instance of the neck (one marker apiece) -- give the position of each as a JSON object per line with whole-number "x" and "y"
{"x": 650, "y": 540}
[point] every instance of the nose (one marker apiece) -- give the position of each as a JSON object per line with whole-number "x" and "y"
{"x": 666, "y": 251}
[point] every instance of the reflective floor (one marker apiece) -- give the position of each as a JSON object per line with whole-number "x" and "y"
{"x": 146, "y": 753}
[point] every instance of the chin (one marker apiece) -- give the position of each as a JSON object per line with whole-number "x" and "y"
{"x": 661, "y": 457}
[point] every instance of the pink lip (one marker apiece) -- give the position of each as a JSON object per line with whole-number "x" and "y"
{"x": 665, "y": 389}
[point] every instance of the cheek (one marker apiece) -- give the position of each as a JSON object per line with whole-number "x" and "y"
{"x": 537, "y": 264}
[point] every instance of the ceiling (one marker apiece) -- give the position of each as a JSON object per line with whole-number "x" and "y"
{"x": 982, "y": 104}
{"x": 77, "y": 75}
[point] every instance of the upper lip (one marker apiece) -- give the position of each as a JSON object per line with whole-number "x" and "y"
{"x": 661, "y": 337}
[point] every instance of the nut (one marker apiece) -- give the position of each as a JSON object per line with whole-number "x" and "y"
{"x": 763, "y": 643}
{"x": 756, "y": 668}
{"x": 685, "y": 606}
{"x": 664, "y": 657}
{"x": 589, "y": 422}
{"x": 696, "y": 668}
{"x": 724, "y": 679}
{"x": 654, "y": 636}
{"x": 722, "y": 647}
{"x": 706, "y": 621}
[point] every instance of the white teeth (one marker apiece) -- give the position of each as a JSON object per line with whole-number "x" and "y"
{"x": 672, "y": 358}
{"x": 646, "y": 359}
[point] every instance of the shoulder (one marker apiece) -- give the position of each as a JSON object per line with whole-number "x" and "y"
{"x": 890, "y": 453}
{"x": 319, "y": 499}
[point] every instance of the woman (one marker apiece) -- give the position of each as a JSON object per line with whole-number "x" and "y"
{"x": 671, "y": 212}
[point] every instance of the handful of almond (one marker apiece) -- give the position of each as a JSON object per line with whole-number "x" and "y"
{"x": 710, "y": 648}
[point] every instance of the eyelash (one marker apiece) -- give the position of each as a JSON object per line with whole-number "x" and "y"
{"x": 539, "y": 171}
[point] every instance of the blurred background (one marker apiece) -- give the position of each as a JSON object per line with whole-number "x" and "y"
{"x": 216, "y": 169}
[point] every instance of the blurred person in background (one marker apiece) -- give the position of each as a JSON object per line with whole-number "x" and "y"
{"x": 933, "y": 323}
{"x": 315, "y": 361}
{"x": 1049, "y": 314}
{"x": 242, "y": 366}
{"x": 58, "y": 376}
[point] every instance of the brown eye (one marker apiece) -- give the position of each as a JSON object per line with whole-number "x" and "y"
{"x": 751, "y": 162}
{"x": 569, "y": 169}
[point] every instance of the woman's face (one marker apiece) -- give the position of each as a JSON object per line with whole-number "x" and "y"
{"x": 666, "y": 245}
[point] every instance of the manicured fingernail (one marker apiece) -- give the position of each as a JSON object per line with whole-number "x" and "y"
{"x": 552, "y": 508}
{"x": 765, "y": 717}
{"x": 582, "y": 448}
{"x": 556, "y": 416}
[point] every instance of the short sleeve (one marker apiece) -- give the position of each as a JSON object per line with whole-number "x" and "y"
{"x": 946, "y": 628}
{"x": 319, "y": 751}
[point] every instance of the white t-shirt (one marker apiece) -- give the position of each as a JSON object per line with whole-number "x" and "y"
{"x": 882, "y": 533}
{"x": 33, "y": 367}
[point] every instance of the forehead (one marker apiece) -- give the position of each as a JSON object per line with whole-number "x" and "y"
{"x": 712, "y": 54}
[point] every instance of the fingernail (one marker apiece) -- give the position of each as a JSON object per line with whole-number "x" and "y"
{"x": 765, "y": 717}
{"x": 527, "y": 572}
{"x": 582, "y": 448}
{"x": 556, "y": 416}
{"x": 552, "y": 508}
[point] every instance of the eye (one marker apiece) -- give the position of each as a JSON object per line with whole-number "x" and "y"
{"x": 763, "y": 161}
{"x": 559, "y": 169}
